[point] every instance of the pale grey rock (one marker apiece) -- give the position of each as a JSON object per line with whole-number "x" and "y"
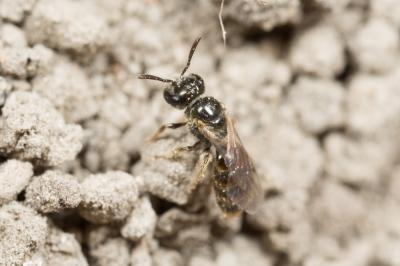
{"x": 333, "y": 5}
{"x": 15, "y": 10}
{"x": 31, "y": 129}
{"x": 106, "y": 247}
{"x": 319, "y": 51}
{"x": 140, "y": 255}
{"x": 372, "y": 102}
{"x": 67, "y": 86}
{"x": 346, "y": 159}
{"x": 22, "y": 233}
{"x": 241, "y": 251}
{"x": 14, "y": 177}
{"x": 105, "y": 150}
{"x": 53, "y": 191}
{"x": 63, "y": 249}
{"x": 358, "y": 252}
{"x": 265, "y": 14}
{"x": 5, "y": 89}
{"x": 12, "y": 36}
{"x": 373, "y": 53}
{"x": 389, "y": 9}
{"x": 25, "y": 62}
{"x": 256, "y": 70}
{"x": 141, "y": 222}
{"x": 165, "y": 257}
{"x": 297, "y": 243}
{"x": 291, "y": 159}
{"x": 174, "y": 220}
{"x": 347, "y": 20}
{"x": 319, "y": 104}
{"x": 108, "y": 197}
{"x": 329, "y": 213}
{"x": 283, "y": 211}
{"x": 113, "y": 252}
{"x": 67, "y": 25}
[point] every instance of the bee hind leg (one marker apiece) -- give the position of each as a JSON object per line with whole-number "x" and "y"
{"x": 202, "y": 168}
{"x": 162, "y": 128}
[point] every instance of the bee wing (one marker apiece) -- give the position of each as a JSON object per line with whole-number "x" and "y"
{"x": 244, "y": 186}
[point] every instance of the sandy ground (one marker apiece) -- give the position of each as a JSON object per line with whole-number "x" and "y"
{"x": 312, "y": 84}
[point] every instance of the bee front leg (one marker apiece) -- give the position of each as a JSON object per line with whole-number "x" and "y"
{"x": 162, "y": 128}
{"x": 176, "y": 153}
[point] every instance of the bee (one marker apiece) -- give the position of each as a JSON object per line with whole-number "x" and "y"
{"x": 234, "y": 179}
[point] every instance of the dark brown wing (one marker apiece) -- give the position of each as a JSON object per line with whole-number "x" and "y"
{"x": 244, "y": 186}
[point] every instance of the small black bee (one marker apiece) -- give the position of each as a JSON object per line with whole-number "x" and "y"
{"x": 235, "y": 182}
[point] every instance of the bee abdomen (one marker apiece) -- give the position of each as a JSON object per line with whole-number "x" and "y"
{"x": 220, "y": 187}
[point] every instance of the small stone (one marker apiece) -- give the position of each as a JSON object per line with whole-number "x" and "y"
{"x": 265, "y": 14}
{"x": 296, "y": 243}
{"x": 15, "y": 10}
{"x": 31, "y": 129}
{"x": 374, "y": 54}
{"x": 53, "y": 191}
{"x": 291, "y": 159}
{"x": 241, "y": 251}
{"x": 389, "y": 9}
{"x": 12, "y": 36}
{"x": 5, "y": 90}
{"x": 104, "y": 151}
{"x": 333, "y": 203}
{"x": 97, "y": 235}
{"x": 62, "y": 249}
{"x": 334, "y": 5}
{"x": 319, "y": 51}
{"x": 24, "y": 62}
{"x": 14, "y": 177}
{"x": 319, "y": 104}
{"x": 22, "y": 233}
{"x": 141, "y": 222}
{"x": 256, "y": 70}
{"x": 108, "y": 197}
{"x": 114, "y": 251}
{"x": 67, "y": 87}
{"x": 372, "y": 102}
{"x": 13, "y": 61}
{"x": 280, "y": 212}
{"x": 140, "y": 255}
{"x": 174, "y": 220}
{"x": 106, "y": 247}
{"x": 346, "y": 159}
{"x": 67, "y": 25}
{"x": 165, "y": 257}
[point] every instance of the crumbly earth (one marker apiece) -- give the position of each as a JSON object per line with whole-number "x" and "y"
{"x": 313, "y": 86}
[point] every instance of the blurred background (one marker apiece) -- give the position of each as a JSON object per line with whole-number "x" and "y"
{"x": 313, "y": 86}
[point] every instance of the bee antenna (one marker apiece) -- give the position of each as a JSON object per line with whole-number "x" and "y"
{"x": 192, "y": 50}
{"x": 152, "y": 77}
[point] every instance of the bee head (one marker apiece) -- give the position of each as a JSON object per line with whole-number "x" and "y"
{"x": 181, "y": 93}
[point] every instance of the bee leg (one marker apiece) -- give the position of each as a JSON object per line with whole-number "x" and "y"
{"x": 175, "y": 153}
{"x": 202, "y": 168}
{"x": 162, "y": 128}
